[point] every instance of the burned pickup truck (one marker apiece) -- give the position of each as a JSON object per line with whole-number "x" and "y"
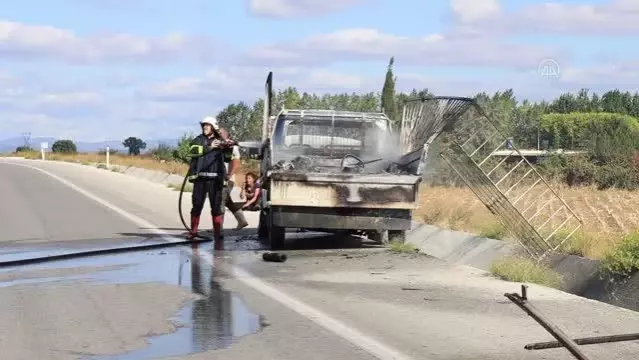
{"x": 333, "y": 171}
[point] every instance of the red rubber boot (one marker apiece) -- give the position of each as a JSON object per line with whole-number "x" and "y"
{"x": 195, "y": 223}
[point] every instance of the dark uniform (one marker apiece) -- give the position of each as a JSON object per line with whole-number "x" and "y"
{"x": 208, "y": 174}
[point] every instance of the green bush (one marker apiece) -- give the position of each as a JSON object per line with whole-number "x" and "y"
{"x": 494, "y": 230}
{"x": 20, "y": 149}
{"x": 163, "y": 152}
{"x": 64, "y": 147}
{"x": 181, "y": 153}
{"x": 623, "y": 260}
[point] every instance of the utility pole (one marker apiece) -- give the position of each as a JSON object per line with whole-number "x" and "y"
{"x": 537, "y": 137}
{"x": 26, "y": 136}
{"x": 108, "y": 154}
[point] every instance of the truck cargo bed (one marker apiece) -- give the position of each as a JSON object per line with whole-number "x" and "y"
{"x": 373, "y": 191}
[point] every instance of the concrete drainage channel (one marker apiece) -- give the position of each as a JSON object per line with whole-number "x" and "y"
{"x": 580, "y": 276}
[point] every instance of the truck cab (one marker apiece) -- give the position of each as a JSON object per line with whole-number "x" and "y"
{"x": 332, "y": 171}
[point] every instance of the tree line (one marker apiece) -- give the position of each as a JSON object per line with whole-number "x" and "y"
{"x": 605, "y": 126}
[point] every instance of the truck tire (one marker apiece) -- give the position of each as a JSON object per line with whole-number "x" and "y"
{"x": 276, "y": 234}
{"x": 379, "y": 236}
{"x": 398, "y": 236}
{"x": 262, "y": 228}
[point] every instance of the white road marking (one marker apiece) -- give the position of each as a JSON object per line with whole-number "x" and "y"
{"x": 344, "y": 331}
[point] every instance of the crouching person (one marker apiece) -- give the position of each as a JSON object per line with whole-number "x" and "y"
{"x": 251, "y": 193}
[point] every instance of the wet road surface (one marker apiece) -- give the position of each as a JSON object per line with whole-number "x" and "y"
{"x": 329, "y": 300}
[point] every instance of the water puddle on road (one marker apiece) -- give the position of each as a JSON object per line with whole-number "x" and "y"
{"x": 213, "y": 321}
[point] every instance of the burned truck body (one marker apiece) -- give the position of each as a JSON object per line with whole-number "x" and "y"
{"x": 333, "y": 171}
{"x": 326, "y": 170}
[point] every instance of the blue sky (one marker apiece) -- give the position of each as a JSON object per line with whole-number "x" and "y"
{"x": 93, "y": 70}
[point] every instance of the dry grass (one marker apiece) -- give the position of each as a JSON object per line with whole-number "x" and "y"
{"x": 607, "y": 215}
{"x": 141, "y": 161}
{"x": 527, "y": 271}
{"x": 403, "y": 248}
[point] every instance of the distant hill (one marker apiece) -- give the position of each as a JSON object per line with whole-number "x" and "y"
{"x": 9, "y": 145}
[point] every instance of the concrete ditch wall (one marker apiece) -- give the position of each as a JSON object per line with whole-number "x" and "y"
{"x": 580, "y": 276}
{"x": 150, "y": 175}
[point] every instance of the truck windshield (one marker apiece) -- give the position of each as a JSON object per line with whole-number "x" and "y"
{"x": 326, "y": 138}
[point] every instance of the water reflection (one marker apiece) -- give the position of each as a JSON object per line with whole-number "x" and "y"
{"x": 212, "y": 316}
{"x": 213, "y": 321}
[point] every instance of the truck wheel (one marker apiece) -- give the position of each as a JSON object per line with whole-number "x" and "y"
{"x": 276, "y": 234}
{"x": 398, "y": 236}
{"x": 379, "y": 236}
{"x": 262, "y": 228}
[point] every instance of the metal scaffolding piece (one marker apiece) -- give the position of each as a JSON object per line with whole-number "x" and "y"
{"x": 423, "y": 120}
{"x": 476, "y": 148}
{"x": 563, "y": 340}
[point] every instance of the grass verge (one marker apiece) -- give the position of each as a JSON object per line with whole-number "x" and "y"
{"x": 139, "y": 161}
{"x": 527, "y": 271}
{"x": 402, "y": 248}
{"x": 623, "y": 259}
{"x": 493, "y": 230}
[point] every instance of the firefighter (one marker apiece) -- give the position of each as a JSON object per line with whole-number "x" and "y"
{"x": 208, "y": 174}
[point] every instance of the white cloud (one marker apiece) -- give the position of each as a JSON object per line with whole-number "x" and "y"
{"x": 474, "y": 10}
{"x": 612, "y": 17}
{"x": 283, "y": 9}
{"x": 432, "y": 50}
{"x": 246, "y": 83}
{"x": 73, "y": 105}
{"x": 24, "y": 41}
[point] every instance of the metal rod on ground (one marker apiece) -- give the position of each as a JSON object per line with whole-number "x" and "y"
{"x": 567, "y": 342}
{"x": 584, "y": 341}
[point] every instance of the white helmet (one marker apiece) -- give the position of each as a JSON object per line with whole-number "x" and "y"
{"x": 211, "y": 121}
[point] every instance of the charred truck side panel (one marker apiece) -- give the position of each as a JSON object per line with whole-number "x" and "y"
{"x": 333, "y": 171}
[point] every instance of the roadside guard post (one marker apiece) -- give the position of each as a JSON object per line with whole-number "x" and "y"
{"x": 563, "y": 340}
{"x": 43, "y": 148}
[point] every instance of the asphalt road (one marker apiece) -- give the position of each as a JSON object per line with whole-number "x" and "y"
{"x": 325, "y": 302}
{"x": 36, "y": 209}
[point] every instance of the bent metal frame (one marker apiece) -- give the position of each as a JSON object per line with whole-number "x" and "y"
{"x": 475, "y": 146}
{"x": 563, "y": 340}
